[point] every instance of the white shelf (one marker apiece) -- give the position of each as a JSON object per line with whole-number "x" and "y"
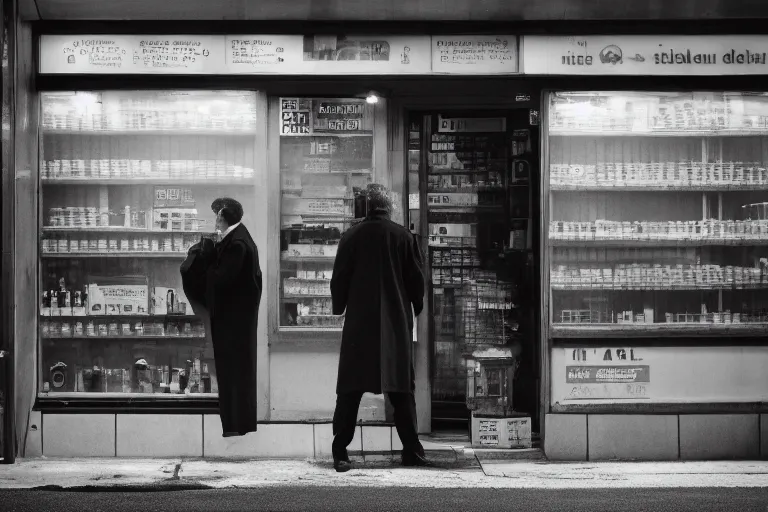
{"x": 656, "y": 242}
{"x": 560, "y": 330}
{"x": 123, "y": 338}
{"x": 234, "y": 182}
{"x": 169, "y": 131}
{"x": 118, "y": 229}
{"x": 149, "y": 396}
{"x": 640, "y": 287}
{"x": 158, "y": 254}
{"x": 308, "y": 259}
{"x": 659, "y": 187}
{"x": 657, "y": 133}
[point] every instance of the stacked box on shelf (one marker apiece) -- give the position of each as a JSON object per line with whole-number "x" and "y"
{"x": 142, "y": 169}
{"x": 637, "y": 276}
{"x": 669, "y": 174}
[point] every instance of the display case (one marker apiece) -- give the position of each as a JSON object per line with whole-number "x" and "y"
{"x": 127, "y": 180}
{"x": 657, "y": 210}
{"x": 327, "y": 158}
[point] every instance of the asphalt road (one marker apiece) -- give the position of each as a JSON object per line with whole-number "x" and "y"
{"x": 391, "y": 500}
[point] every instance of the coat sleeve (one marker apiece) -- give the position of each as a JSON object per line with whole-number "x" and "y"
{"x": 414, "y": 275}
{"x": 342, "y": 275}
{"x": 193, "y": 273}
{"x": 257, "y": 269}
{"x": 228, "y": 271}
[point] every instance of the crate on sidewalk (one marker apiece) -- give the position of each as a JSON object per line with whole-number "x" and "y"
{"x": 507, "y": 432}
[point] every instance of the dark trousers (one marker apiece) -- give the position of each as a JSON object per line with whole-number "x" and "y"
{"x": 345, "y": 420}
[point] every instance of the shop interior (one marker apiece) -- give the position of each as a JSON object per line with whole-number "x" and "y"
{"x": 477, "y": 174}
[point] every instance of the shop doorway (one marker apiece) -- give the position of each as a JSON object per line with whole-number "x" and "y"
{"x": 477, "y": 209}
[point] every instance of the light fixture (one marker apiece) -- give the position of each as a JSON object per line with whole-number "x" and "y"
{"x": 372, "y": 98}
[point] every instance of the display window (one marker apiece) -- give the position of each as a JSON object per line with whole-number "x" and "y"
{"x": 327, "y": 159}
{"x": 658, "y": 214}
{"x": 127, "y": 180}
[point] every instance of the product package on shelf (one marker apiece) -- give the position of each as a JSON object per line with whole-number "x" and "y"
{"x": 125, "y": 299}
{"x": 293, "y": 286}
{"x": 661, "y": 277}
{"x": 169, "y": 301}
{"x": 311, "y": 250}
{"x": 659, "y": 113}
{"x": 659, "y": 174}
{"x": 158, "y": 111}
{"x": 701, "y": 230}
{"x": 123, "y": 244}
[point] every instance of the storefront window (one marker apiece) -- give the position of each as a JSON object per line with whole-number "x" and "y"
{"x": 127, "y": 180}
{"x": 326, "y": 162}
{"x": 659, "y": 219}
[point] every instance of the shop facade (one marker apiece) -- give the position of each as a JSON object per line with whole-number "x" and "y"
{"x": 644, "y": 327}
{"x": 655, "y": 197}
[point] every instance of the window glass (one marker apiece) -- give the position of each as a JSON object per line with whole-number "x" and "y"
{"x": 326, "y": 162}
{"x": 127, "y": 181}
{"x": 658, "y": 219}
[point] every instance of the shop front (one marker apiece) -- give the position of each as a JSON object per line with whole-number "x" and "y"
{"x": 133, "y": 150}
{"x": 654, "y": 194}
{"x": 592, "y": 210}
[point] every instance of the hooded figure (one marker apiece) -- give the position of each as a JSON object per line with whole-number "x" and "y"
{"x": 377, "y": 279}
{"x": 226, "y": 280}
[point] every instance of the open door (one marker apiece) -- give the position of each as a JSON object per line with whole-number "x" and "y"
{"x": 479, "y": 170}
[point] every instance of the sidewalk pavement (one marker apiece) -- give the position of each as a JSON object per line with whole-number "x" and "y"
{"x": 180, "y": 474}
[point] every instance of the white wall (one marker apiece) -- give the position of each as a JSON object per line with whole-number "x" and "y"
{"x": 303, "y": 387}
{"x": 676, "y": 374}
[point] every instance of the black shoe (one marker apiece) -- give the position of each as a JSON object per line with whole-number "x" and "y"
{"x": 415, "y": 460}
{"x": 342, "y": 466}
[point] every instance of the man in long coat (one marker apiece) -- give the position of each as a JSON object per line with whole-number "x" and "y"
{"x": 228, "y": 277}
{"x": 378, "y": 280}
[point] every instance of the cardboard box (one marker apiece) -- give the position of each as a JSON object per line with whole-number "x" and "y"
{"x": 501, "y": 432}
{"x": 122, "y": 299}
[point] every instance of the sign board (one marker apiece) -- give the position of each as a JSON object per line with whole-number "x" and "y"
{"x": 659, "y": 375}
{"x": 645, "y": 55}
{"x": 278, "y": 54}
{"x": 170, "y": 197}
{"x": 484, "y": 55}
{"x": 131, "y": 54}
{"x": 305, "y": 116}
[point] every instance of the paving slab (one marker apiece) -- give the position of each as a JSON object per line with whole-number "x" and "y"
{"x": 30, "y": 473}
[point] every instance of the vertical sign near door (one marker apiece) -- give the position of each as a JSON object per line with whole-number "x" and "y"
{"x": 294, "y": 116}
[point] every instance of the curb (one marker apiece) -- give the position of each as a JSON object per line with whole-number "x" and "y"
{"x": 149, "y": 487}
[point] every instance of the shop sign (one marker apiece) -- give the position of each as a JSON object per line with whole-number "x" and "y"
{"x": 645, "y": 55}
{"x": 688, "y": 374}
{"x": 279, "y": 54}
{"x": 606, "y": 374}
{"x": 476, "y": 54}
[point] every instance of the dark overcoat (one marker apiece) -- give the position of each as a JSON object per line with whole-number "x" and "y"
{"x": 232, "y": 294}
{"x": 378, "y": 280}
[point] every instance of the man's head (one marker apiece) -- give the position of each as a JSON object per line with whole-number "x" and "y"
{"x": 228, "y": 212}
{"x": 378, "y": 198}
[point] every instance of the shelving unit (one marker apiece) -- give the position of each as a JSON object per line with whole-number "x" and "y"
{"x": 127, "y": 179}
{"x": 326, "y": 161}
{"x": 656, "y": 223}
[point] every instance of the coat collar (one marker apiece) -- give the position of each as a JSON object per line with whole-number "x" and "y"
{"x": 226, "y": 240}
{"x": 378, "y": 215}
